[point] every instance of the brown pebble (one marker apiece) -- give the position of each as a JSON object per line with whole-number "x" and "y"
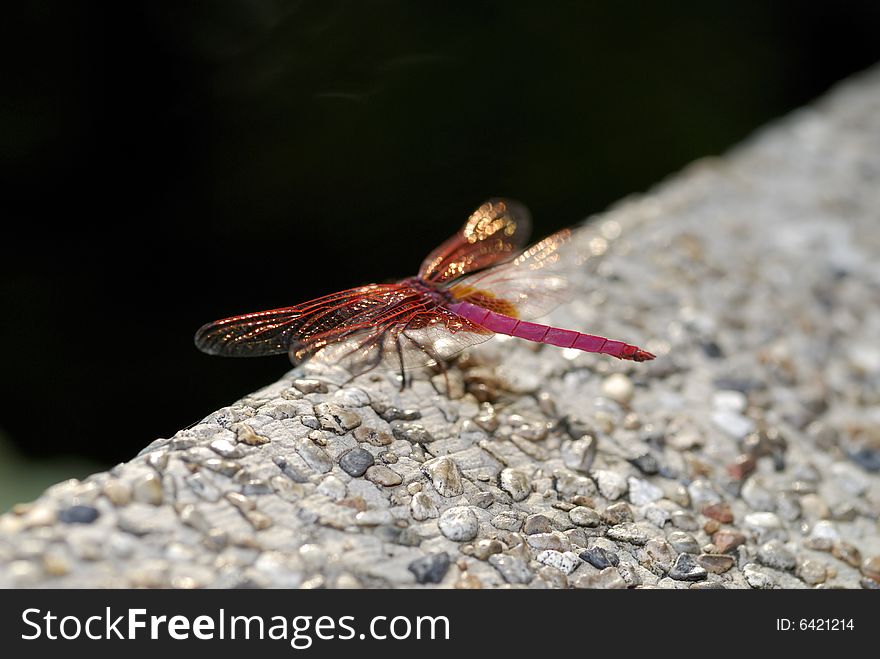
{"x": 720, "y": 512}
{"x": 711, "y": 526}
{"x": 716, "y": 563}
{"x": 537, "y": 523}
{"x": 581, "y": 500}
{"x": 871, "y": 568}
{"x": 382, "y": 475}
{"x": 847, "y": 553}
{"x": 743, "y": 466}
{"x": 372, "y": 436}
{"x": 357, "y": 502}
{"x": 618, "y": 513}
{"x": 727, "y": 540}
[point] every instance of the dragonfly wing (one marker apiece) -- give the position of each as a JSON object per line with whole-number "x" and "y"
{"x": 529, "y": 286}
{"x": 416, "y": 340}
{"x": 301, "y": 327}
{"x": 494, "y": 233}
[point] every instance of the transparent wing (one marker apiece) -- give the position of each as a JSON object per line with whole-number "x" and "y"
{"x": 493, "y": 234}
{"x": 424, "y": 338}
{"x": 529, "y": 286}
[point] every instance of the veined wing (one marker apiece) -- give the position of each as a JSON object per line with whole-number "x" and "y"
{"x": 529, "y": 286}
{"x": 493, "y": 234}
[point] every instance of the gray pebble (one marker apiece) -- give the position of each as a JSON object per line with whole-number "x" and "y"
{"x": 646, "y": 463}
{"x": 482, "y": 499}
{"x": 609, "y": 578}
{"x": 583, "y": 516}
{"x": 459, "y": 524}
{"x": 78, "y": 515}
{"x": 687, "y": 568}
{"x": 683, "y": 542}
{"x": 415, "y": 433}
{"x": 507, "y": 521}
{"x": 611, "y": 484}
{"x": 684, "y": 520}
{"x": 641, "y": 492}
{"x": 356, "y": 462}
{"x": 758, "y": 497}
{"x": 600, "y": 558}
{"x": 631, "y": 533}
{"x": 336, "y": 418}
{"x": 396, "y": 414}
{"x": 512, "y": 568}
{"x": 537, "y": 523}
{"x": 430, "y": 569}
{"x": 757, "y": 578}
{"x": 774, "y": 554}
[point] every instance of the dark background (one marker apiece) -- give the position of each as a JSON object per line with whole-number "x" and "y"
{"x": 167, "y": 164}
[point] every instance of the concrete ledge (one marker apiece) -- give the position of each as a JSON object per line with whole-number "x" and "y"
{"x": 746, "y": 455}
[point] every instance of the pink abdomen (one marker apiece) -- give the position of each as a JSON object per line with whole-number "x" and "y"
{"x": 546, "y": 334}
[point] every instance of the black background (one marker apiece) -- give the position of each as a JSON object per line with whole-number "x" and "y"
{"x": 166, "y": 164}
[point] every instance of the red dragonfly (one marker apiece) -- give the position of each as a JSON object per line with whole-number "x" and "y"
{"x": 479, "y": 282}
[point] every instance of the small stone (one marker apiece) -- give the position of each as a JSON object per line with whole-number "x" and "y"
{"x": 720, "y": 512}
{"x": 767, "y": 526}
{"x": 641, "y": 492}
{"x": 516, "y": 483}
{"x": 415, "y": 433}
{"x": 382, "y": 475}
{"x": 430, "y": 569}
{"x": 687, "y": 568}
{"x": 611, "y": 484}
{"x": 711, "y": 526}
{"x": 336, "y": 418}
{"x": 485, "y": 548}
{"x": 609, "y": 578}
{"x": 740, "y": 468}
{"x": 871, "y": 568}
{"x": 117, "y": 492}
{"x": 847, "y": 553}
{"x": 78, "y": 515}
{"x": 374, "y": 517}
{"x": 356, "y": 462}
{"x": 702, "y": 494}
{"x": 646, "y": 463}
{"x": 396, "y": 414}
{"x": 565, "y": 562}
{"x": 333, "y": 488}
{"x": 56, "y": 563}
{"x": 727, "y": 540}
{"x": 148, "y": 489}
{"x": 812, "y": 572}
{"x": 372, "y": 436}
{"x": 600, "y": 558}
{"x": 226, "y": 448}
{"x": 482, "y": 499}
{"x": 660, "y": 554}
{"x": 507, "y": 521}
{"x": 310, "y": 386}
{"x": 683, "y": 542}
{"x": 247, "y": 435}
{"x": 315, "y": 457}
{"x": 756, "y": 496}
{"x": 291, "y": 472}
{"x": 825, "y": 532}
{"x": 869, "y": 584}
{"x": 421, "y": 507}
{"x": 556, "y": 541}
{"x": 716, "y": 563}
{"x": 631, "y": 533}
{"x": 774, "y": 554}
{"x": 733, "y": 424}
{"x": 583, "y": 516}
{"x": 581, "y": 453}
{"x": 537, "y": 523}
{"x": 459, "y": 524}
{"x": 757, "y": 578}
{"x": 553, "y": 577}
{"x": 617, "y": 513}
{"x": 445, "y": 476}
{"x": 788, "y": 507}
{"x": 618, "y": 388}
{"x": 512, "y": 568}
{"x": 684, "y": 520}
{"x": 729, "y": 399}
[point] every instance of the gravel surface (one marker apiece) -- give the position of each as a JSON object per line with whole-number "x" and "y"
{"x": 745, "y": 456}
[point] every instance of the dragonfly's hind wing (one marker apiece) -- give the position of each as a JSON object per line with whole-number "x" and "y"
{"x": 529, "y": 286}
